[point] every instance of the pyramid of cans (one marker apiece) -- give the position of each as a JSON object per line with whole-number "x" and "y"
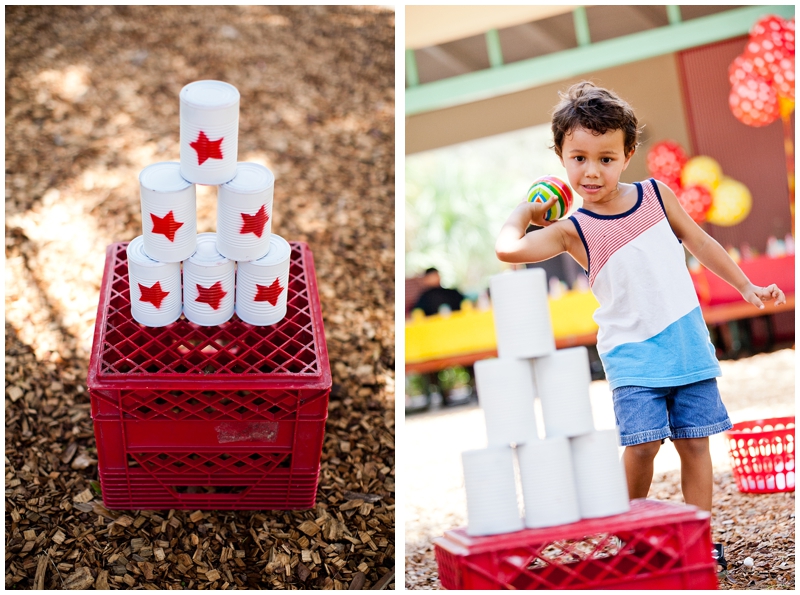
{"x": 243, "y": 267}
{"x": 572, "y": 472}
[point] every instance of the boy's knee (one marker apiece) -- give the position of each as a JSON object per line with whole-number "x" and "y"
{"x": 644, "y": 451}
{"x": 692, "y": 447}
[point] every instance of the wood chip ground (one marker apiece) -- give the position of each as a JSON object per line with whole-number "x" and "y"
{"x": 91, "y": 99}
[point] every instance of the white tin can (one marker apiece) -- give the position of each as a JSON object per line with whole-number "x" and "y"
{"x": 209, "y": 119}
{"x": 262, "y": 285}
{"x": 169, "y": 212}
{"x": 244, "y": 213}
{"x": 209, "y": 281}
{"x": 155, "y": 287}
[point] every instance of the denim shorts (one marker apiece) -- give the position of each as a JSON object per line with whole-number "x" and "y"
{"x": 647, "y": 414}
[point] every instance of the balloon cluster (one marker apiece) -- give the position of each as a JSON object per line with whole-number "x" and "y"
{"x": 762, "y": 77}
{"x": 702, "y": 189}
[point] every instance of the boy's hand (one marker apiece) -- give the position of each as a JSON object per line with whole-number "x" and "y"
{"x": 755, "y": 294}
{"x": 515, "y": 246}
{"x": 538, "y": 210}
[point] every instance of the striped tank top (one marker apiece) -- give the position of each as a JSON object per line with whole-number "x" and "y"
{"x": 652, "y": 331}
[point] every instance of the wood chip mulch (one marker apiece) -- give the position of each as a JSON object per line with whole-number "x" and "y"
{"x": 91, "y": 99}
{"x": 757, "y": 526}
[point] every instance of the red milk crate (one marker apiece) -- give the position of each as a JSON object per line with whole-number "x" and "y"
{"x": 228, "y": 417}
{"x": 762, "y": 455}
{"x": 656, "y": 545}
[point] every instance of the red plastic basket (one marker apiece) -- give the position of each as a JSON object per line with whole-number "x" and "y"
{"x": 762, "y": 455}
{"x": 222, "y": 417}
{"x": 656, "y": 545}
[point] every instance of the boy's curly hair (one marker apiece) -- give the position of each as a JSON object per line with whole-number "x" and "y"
{"x": 588, "y": 106}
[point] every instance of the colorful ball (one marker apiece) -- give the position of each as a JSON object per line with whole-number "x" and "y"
{"x": 547, "y": 187}
{"x": 730, "y": 204}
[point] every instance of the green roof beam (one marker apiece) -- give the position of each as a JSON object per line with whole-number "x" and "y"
{"x": 493, "y": 48}
{"x": 583, "y": 60}
{"x": 673, "y": 14}
{"x": 412, "y": 74}
{"x": 581, "y": 22}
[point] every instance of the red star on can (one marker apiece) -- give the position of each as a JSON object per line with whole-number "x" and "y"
{"x": 155, "y": 295}
{"x": 211, "y": 295}
{"x": 255, "y": 223}
{"x": 206, "y": 148}
{"x": 269, "y": 294}
{"x": 166, "y": 225}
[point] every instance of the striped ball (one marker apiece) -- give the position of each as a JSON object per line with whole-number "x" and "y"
{"x": 547, "y": 187}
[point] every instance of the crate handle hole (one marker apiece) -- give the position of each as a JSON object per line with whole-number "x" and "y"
{"x": 209, "y": 489}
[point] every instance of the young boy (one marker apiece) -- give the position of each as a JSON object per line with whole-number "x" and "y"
{"x": 629, "y": 238}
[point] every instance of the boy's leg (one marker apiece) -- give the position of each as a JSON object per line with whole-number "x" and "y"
{"x": 639, "y": 467}
{"x": 697, "y": 475}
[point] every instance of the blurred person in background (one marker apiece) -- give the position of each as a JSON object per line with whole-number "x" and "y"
{"x": 435, "y": 296}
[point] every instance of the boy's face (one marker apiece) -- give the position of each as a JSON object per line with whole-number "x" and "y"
{"x": 594, "y": 163}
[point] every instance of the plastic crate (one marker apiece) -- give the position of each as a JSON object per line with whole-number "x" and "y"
{"x": 222, "y": 417}
{"x": 762, "y": 455}
{"x": 656, "y": 545}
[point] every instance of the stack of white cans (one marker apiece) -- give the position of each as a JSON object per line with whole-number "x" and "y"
{"x": 243, "y": 268}
{"x": 570, "y": 473}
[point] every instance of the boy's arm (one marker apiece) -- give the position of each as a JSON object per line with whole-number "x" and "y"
{"x": 514, "y": 246}
{"x": 713, "y": 256}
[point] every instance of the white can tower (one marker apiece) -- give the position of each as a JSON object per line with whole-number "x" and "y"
{"x": 211, "y": 262}
{"x": 572, "y": 472}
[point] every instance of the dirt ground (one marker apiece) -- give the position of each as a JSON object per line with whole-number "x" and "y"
{"x": 758, "y": 526}
{"x": 91, "y": 99}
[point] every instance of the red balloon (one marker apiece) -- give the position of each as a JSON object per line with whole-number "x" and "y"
{"x": 783, "y": 78}
{"x": 696, "y": 201}
{"x": 754, "y": 101}
{"x": 740, "y": 69}
{"x": 779, "y": 32}
{"x": 770, "y": 51}
{"x": 766, "y": 58}
{"x": 665, "y": 160}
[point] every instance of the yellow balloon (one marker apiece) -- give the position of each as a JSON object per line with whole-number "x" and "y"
{"x": 731, "y": 202}
{"x": 701, "y": 171}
